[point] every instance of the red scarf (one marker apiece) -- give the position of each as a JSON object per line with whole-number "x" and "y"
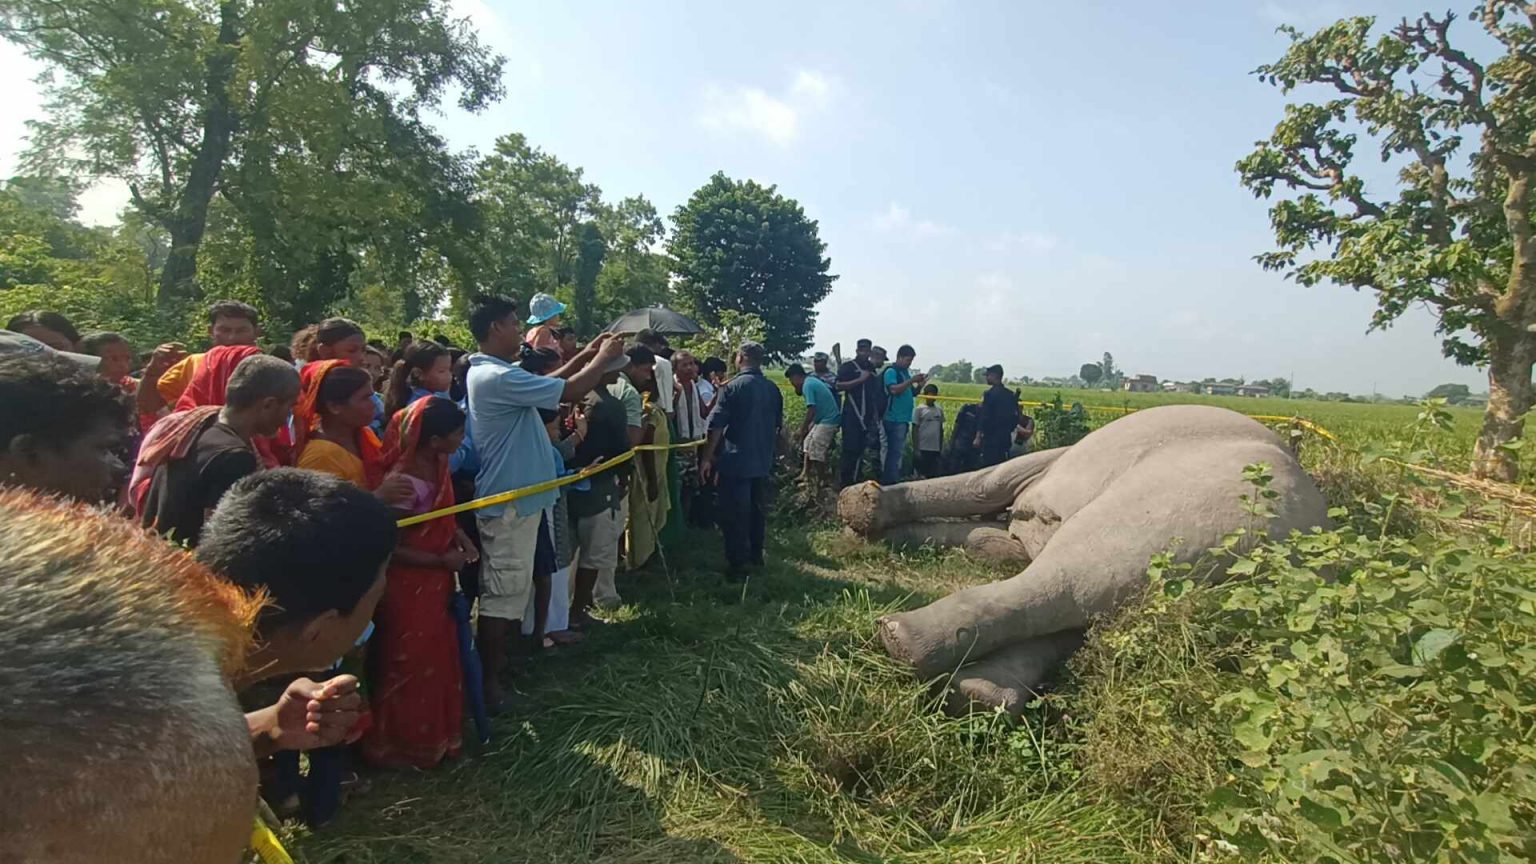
{"x": 402, "y": 437}
{"x": 306, "y": 420}
{"x": 211, "y": 380}
{"x": 210, "y": 385}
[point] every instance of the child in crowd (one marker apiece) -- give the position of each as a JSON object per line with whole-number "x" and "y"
{"x": 928, "y": 433}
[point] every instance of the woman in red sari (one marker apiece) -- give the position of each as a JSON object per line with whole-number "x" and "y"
{"x": 415, "y": 679}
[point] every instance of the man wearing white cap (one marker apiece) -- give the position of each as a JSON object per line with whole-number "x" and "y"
{"x": 544, "y": 314}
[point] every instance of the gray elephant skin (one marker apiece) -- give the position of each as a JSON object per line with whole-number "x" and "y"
{"x": 1086, "y": 520}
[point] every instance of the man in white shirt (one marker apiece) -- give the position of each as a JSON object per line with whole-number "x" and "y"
{"x": 665, "y": 385}
{"x": 689, "y": 404}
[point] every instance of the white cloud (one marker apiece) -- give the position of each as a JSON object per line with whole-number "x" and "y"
{"x": 1031, "y": 242}
{"x": 896, "y": 219}
{"x": 813, "y": 87}
{"x": 755, "y": 111}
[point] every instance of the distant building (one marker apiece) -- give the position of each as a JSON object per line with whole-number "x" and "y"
{"x": 1220, "y": 388}
{"x": 1255, "y": 391}
{"x": 1179, "y": 387}
{"x": 1141, "y": 384}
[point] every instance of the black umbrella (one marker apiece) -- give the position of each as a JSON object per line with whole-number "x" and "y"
{"x": 658, "y": 318}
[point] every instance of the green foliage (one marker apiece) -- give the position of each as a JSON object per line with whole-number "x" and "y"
{"x": 958, "y": 372}
{"x": 1455, "y": 394}
{"x": 1357, "y": 694}
{"x": 304, "y": 117}
{"x": 739, "y": 246}
{"x": 979, "y": 375}
{"x": 1091, "y": 373}
{"x": 1459, "y": 236}
{"x": 547, "y": 229}
{"x": 722, "y": 339}
{"x": 1059, "y": 426}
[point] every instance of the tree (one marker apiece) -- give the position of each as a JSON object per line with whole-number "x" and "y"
{"x": 979, "y": 376}
{"x": 958, "y": 372}
{"x": 633, "y": 275}
{"x": 1280, "y": 387}
{"x": 589, "y": 261}
{"x": 1110, "y": 373}
{"x": 1091, "y": 373}
{"x": 1453, "y": 394}
{"x": 167, "y": 95}
{"x": 534, "y": 207}
{"x": 1458, "y": 237}
{"x": 740, "y": 246}
{"x": 723, "y": 338}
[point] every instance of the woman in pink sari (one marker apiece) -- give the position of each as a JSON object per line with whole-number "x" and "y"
{"x": 417, "y": 686}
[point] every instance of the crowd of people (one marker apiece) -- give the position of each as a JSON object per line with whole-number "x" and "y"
{"x": 245, "y": 501}
{"x": 875, "y": 408}
{"x": 265, "y": 524}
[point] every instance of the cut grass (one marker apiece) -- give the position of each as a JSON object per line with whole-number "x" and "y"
{"x": 701, "y": 726}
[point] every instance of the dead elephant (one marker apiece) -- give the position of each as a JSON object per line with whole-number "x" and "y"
{"x": 1086, "y": 519}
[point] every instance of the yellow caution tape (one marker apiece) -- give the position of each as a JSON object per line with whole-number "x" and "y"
{"x": 266, "y": 845}
{"x": 515, "y": 494}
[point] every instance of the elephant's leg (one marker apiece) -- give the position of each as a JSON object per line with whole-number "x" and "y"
{"x": 1010, "y": 677}
{"x": 989, "y": 541}
{"x": 869, "y": 508}
{"x": 1183, "y": 502}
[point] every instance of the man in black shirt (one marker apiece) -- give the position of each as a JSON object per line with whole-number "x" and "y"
{"x": 863, "y": 398}
{"x": 1000, "y": 415}
{"x": 738, "y": 457}
{"x": 217, "y": 448}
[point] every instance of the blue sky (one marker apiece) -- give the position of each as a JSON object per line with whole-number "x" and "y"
{"x": 1026, "y": 183}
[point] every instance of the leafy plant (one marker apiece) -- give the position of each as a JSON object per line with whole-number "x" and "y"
{"x": 1059, "y": 426}
{"x": 1348, "y": 695}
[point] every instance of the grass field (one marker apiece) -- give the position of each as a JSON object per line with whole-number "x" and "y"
{"x": 712, "y": 724}
{"x": 707, "y": 726}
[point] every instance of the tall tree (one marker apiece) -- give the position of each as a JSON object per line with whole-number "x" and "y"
{"x": 1091, "y": 373}
{"x": 589, "y": 262}
{"x": 1459, "y": 236}
{"x": 744, "y": 247}
{"x": 534, "y": 206}
{"x": 1109, "y": 372}
{"x": 633, "y": 275}
{"x": 162, "y": 94}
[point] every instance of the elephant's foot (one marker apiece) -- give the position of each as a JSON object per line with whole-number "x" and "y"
{"x": 868, "y": 508}
{"x": 1010, "y": 677}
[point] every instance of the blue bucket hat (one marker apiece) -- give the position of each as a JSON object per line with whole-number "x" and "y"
{"x": 543, "y": 307}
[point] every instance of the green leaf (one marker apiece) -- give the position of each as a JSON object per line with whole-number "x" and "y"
{"x": 1493, "y": 811}
{"x": 1321, "y": 815}
{"x": 1432, "y": 643}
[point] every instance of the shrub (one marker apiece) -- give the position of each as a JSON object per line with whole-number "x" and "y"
{"x": 1345, "y": 695}
{"x": 1058, "y": 426}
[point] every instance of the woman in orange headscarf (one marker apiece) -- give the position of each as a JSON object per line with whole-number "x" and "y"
{"x": 414, "y": 673}
{"x": 331, "y": 423}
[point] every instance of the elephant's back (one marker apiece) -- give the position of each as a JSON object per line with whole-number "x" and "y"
{"x": 1175, "y": 445}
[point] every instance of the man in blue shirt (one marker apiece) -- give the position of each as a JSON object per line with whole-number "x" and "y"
{"x": 513, "y": 446}
{"x": 902, "y": 386}
{"x": 822, "y": 417}
{"x": 738, "y": 457}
